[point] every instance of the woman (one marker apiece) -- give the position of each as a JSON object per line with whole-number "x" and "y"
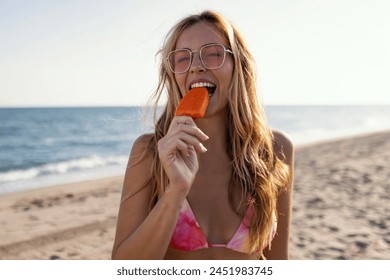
{"x": 218, "y": 187}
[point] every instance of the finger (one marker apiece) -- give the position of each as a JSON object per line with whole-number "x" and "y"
{"x": 191, "y": 150}
{"x": 192, "y": 141}
{"x": 185, "y": 144}
{"x": 190, "y": 128}
{"x": 184, "y": 120}
{"x": 194, "y": 131}
{"x": 183, "y": 148}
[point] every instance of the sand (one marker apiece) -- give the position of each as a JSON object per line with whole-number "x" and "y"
{"x": 342, "y": 199}
{"x": 341, "y": 208}
{"x": 72, "y": 221}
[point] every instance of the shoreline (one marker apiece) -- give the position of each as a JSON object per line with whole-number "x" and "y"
{"x": 96, "y": 174}
{"x": 60, "y": 185}
{"x": 341, "y": 208}
{"x": 341, "y": 138}
{"x": 297, "y": 147}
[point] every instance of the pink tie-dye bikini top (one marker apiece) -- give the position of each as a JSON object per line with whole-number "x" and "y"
{"x": 189, "y": 236}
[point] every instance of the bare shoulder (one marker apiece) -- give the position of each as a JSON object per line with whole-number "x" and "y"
{"x": 141, "y": 149}
{"x": 136, "y": 191}
{"x": 142, "y": 142}
{"x": 138, "y": 167}
{"x": 283, "y": 146}
{"x": 144, "y": 138}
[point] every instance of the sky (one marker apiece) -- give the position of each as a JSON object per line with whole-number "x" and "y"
{"x": 103, "y": 53}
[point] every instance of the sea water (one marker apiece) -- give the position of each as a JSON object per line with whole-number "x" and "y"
{"x": 48, "y": 146}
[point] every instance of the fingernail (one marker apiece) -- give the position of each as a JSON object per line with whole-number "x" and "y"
{"x": 203, "y": 147}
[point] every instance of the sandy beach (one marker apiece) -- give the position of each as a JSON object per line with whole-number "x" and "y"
{"x": 341, "y": 208}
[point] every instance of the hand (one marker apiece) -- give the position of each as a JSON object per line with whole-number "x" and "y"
{"x": 178, "y": 151}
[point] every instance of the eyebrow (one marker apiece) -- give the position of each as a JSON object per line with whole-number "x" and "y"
{"x": 211, "y": 43}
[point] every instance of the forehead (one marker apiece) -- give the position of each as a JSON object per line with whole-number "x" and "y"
{"x": 198, "y": 35}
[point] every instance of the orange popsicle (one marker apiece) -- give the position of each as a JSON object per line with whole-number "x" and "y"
{"x": 194, "y": 103}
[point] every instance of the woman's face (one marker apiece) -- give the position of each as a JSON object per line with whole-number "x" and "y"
{"x": 194, "y": 38}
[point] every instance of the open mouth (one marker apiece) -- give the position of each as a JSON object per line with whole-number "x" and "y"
{"x": 209, "y": 86}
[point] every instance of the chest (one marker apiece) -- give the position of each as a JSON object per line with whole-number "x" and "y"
{"x": 210, "y": 205}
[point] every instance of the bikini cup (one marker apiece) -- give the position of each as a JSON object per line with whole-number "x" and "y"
{"x": 189, "y": 236}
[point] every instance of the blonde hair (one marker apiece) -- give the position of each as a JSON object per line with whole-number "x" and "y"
{"x": 256, "y": 168}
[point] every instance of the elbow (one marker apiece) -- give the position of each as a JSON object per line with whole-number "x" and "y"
{"x": 114, "y": 255}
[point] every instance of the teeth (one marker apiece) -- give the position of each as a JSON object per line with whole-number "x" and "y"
{"x": 202, "y": 84}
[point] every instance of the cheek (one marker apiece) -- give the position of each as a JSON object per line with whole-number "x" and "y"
{"x": 227, "y": 77}
{"x": 180, "y": 81}
{"x": 230, "y": 70}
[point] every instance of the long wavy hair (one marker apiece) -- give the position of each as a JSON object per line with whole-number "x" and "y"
{"x": 256, "y": 168}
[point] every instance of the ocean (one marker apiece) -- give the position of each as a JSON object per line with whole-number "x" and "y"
{"x": 41, "y": 147}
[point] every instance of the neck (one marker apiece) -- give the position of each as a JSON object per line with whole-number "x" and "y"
{"x": 214, "y": 127}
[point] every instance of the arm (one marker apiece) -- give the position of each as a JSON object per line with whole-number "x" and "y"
{"x": 143, "y": 233}
{"x": 280, "y": 250}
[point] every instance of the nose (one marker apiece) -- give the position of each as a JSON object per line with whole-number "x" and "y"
{"x": 196, "y": 64}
